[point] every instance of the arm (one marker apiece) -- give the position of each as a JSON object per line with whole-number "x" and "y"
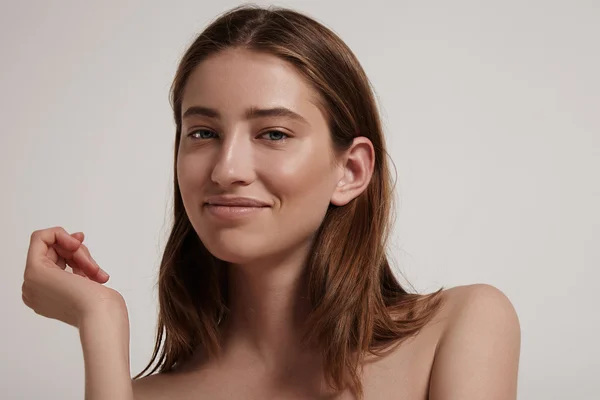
{"x": 80, "y": 299}
{"x": 104, "y": 338}
{"x": 478, "y": 354}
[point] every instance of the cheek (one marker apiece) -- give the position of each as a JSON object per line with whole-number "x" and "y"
{"x": 304, "y": 190}
{"x": 192, "y": 176}
{"x": 191, "y": 173}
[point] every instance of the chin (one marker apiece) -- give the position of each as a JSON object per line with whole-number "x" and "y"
{"x": 229, "y": 255}
{"x": 233, "y": 248}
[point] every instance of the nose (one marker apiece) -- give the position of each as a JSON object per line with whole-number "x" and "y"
{"x": 234, "y": 161}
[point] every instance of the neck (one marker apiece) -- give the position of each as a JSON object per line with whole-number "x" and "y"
{"x": 268, "y": 310}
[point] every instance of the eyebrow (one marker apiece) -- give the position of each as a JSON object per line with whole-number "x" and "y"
{"x": 251, "y": 113}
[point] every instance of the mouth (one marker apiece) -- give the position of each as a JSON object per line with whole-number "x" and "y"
{"x": 231, "y": 201}
{"x": 234, "y": 205}
{"x": 229, "y": 212}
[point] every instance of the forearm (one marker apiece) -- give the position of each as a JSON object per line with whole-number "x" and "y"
{"x": 105, "y": 341}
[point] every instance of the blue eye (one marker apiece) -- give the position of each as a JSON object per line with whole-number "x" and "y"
{"x": 276, "y": 135}
{"x": 204, "y": 133}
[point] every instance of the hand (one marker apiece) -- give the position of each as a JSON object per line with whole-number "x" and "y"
{"x": 51, "y": 291}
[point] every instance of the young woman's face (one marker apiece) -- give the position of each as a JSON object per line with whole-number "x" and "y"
{"x": 251, "y": 129}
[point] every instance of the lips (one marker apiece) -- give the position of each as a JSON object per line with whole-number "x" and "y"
{"x": 230, "y": 209}
{"x": 235, "y": 201}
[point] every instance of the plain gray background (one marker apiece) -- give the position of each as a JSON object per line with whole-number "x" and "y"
{"x": 491, "y": 115}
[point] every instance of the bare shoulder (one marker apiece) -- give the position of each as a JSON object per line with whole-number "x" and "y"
{"x": 150, "y": 387}
{"x": 167, "y": 385}
{"x": 476, "y": 298}
{"x": 478, "y": 349}
{"x": 475, "y": 306}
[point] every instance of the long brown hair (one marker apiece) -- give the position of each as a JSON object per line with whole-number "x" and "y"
{"x": 358, "y": 306}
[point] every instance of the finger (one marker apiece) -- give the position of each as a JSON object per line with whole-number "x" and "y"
{"x": 101, "y": 275}
{"x": 79, "y": 272}
{"x": 68, "y": 247}
{"x": 59, "y": 259}
{"x": 42, "y": 240}
{"x": 82, "y": 260}
{"x": 75, "y": 269}
{"x": 73, "y": 265}
{"x": 55, "y": 257}
{"x": 79, "y": 236}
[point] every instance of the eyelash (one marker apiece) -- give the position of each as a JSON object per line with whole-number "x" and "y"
{"x": 285, "y": 136}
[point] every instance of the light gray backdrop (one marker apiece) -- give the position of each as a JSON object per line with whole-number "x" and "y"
{"x": 491, "y": 110}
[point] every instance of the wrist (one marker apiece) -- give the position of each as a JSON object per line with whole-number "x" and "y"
{"x": 109, "y": 312}
{"x": 105, "y": 329}
{"x": 104, "y": 335}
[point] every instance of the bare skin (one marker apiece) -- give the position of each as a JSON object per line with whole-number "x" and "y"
{"x": 468, "y": 351}
{"x": 239, "y": 140}
{"x": 79, "y": 298}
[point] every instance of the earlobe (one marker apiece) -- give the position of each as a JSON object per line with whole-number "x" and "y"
{"x": 339, "y": 197}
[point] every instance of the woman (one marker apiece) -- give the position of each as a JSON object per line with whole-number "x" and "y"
{"x": 274, "y": 283}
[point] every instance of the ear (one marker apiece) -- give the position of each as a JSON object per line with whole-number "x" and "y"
{"x": 356, "y": 169}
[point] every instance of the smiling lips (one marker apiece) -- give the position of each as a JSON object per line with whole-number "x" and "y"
{"x": 235, "y": 201}
{"x": 229, "y": 207}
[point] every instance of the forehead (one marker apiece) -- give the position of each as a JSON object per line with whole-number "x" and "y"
{"x": 238, "y": 78}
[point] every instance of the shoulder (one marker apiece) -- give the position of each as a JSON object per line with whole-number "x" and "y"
{"x": 477, "y": 353}
{"x": 474, "y": 299}
{"x": 162, "y": 385}
{"x": 149, "y": 387}
{"x": 475, "y": 307}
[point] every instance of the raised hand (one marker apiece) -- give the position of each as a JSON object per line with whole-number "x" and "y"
{"x": 52, "y": 291}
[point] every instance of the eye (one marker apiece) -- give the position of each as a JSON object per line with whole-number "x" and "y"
{"x": 202, "y": 133}
{"x": 275, "y": 136}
